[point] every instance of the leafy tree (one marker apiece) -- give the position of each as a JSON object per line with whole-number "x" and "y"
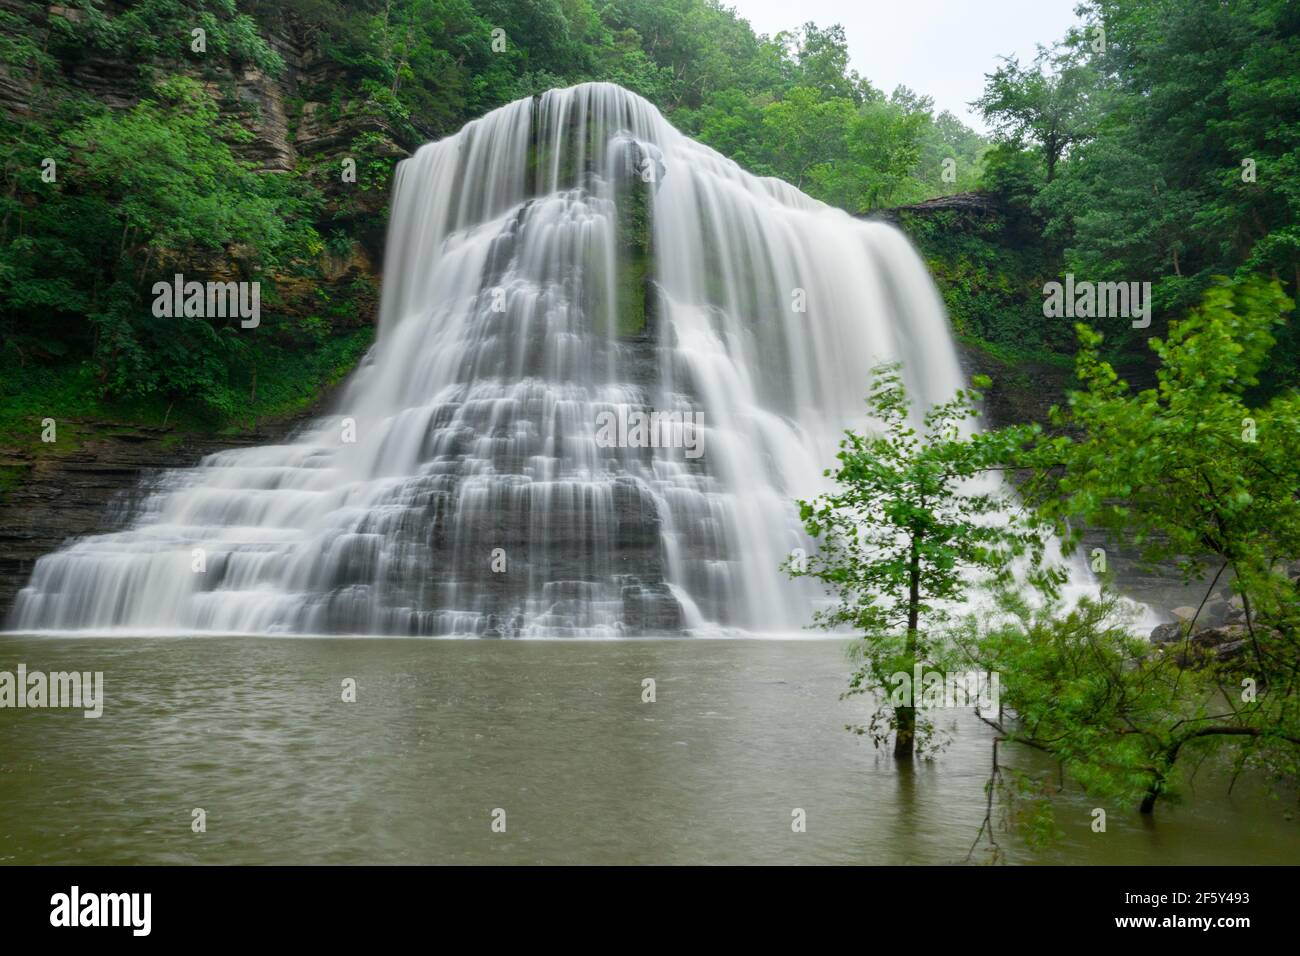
{"x": 1176, "y": 156}
{"x": 945, "y": 138}
{"x": 1121, "y": 719}
{"x": 1048, "y": 102}
{"x": 1014, "y": 175}
{"x": 702, "y": 47}
{"x": 907, "y": 528}
{"x": 1190, "y": 469}
{"x": 1190, "y": 473}
{"x": 822, "y": 56}
{"x": 801, "y": 127}
{"x": 163, "y": 28}
{"x": 732, "y": 123}
{"x": 884, "y": 143}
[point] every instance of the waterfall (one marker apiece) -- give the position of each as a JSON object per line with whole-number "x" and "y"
{"x": 555, "y": 272}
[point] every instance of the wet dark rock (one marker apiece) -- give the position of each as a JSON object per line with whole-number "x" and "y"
{"x": 1169, "y": 633}
{"x": 94, "y": 489}
{"x": 1215, "y": 612}
{"x": 1216, "y": 636}
{"x": 650, "y": 609}
{"x": 1231, "y": 650}
{"x": 1221, "y": 644}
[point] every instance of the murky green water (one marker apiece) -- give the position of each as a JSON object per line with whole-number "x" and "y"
{"x": 254, "y": 731}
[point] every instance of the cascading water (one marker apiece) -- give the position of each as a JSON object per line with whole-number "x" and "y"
{"x": 565, "y": 261}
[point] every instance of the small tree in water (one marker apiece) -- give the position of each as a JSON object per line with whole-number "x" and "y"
{"x": 908, "y": 531}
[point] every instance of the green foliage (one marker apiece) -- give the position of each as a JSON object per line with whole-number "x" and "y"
{"x": 1142, "y": 459}
{"x": 990, "y": 274}
{"x": 1190, "y": 472}
{"x": 823, "y": 128}
{"x": 1112, "y": 713}
{"x": 20, "y": 45}
{"x": 374, "y": 164}
{"x": 947, "y": 139}
{"x": 1171, "y": 152}
{"x": 1046, "y": 103}
{"x": 882, "y": 150}
{"x": 1015, "y": 177}
{"x": 162, "y": 29}
{"x": 141, "y": 194}
{"x": 632, "y": 293}
{"x": 908, "y": 528}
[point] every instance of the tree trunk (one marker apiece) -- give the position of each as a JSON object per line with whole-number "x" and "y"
{"x": 905, "y": 735}
{"x": 1149, "y": 801}
{"x": 1157, "y": 785}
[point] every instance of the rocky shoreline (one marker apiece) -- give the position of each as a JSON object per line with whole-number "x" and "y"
{"x": 1217, "y": 629}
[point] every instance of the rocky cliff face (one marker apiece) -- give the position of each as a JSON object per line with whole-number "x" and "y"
{"x": 90, "y": 490}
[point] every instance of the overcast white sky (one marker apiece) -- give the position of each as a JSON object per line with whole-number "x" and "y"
{"x": 940, "y": 48}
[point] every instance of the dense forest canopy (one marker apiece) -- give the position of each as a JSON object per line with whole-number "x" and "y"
{"x": 1161, "y": 141}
